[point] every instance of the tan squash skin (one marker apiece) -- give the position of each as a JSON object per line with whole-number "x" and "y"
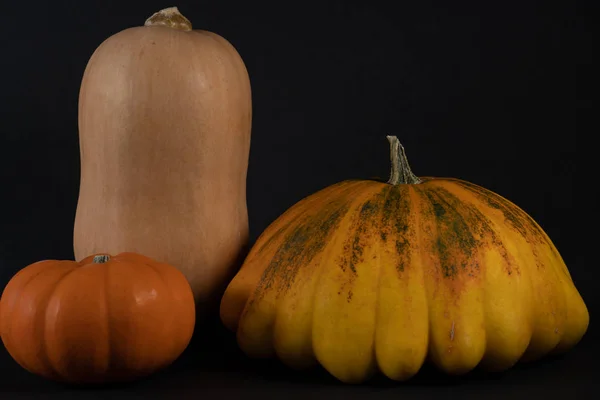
{"x": 365, "y": 276}
{"x": 164, "y": 123}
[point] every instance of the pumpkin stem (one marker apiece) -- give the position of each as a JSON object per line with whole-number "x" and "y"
{"x": 169, "y": 17}
{"x": 401, "y": 172}
{"x": 101, "y": 259}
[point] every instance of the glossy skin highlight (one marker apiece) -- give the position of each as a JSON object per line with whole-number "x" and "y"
{"x": 87, "y": 322}
{"x": 365, "y": 276}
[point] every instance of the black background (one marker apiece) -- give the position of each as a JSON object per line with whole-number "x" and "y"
{"x": 490, "y": 92}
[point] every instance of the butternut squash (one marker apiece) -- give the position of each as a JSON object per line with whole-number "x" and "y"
{"x": 164, "y": 126}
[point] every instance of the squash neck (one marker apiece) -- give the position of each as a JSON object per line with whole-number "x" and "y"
{"x": 400, "y": 172}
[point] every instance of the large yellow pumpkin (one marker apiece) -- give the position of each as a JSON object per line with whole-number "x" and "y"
{"x": 366, "y": 275}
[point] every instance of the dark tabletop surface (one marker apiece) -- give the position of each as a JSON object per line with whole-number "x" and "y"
{"x": 213, "y": 367}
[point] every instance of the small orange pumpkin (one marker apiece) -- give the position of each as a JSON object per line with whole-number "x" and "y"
{"x": 102, "y": 319}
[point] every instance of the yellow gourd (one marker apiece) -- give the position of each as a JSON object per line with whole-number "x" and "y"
{"x": 367, "y": 275}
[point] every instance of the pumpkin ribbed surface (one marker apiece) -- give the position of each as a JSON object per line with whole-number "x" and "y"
{"x": 104, "y": 319}
{"x": 364, "y": 275}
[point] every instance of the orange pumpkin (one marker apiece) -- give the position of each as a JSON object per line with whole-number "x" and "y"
{"x": 367, "y": 275}
{"x": 103, "y": 319}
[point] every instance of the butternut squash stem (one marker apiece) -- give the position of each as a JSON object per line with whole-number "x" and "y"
{"x": 401, "y": 172}
{"x": 171, "y": 18}
{"x": 101, "y": 259}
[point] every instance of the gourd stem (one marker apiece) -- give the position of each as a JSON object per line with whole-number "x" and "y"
{"x": 401, "y": 172}
{"x": 101, "y": 259}
{"x": 169, "y": 17}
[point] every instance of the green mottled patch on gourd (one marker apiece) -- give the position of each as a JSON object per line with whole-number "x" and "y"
{"x": 344, "y": 186}
{"x": 395, "y": 222}
{"x": 341, "y": 189}
{"x": 514, "y": 216}
{"x": 454, "y": 242}
{"x": 354, "y": 245}
{"x": 277, "y": 234}
{"x": 300, "y": 246}
{"x": 385, "y": 214}
{"x": 479, "y": 225}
